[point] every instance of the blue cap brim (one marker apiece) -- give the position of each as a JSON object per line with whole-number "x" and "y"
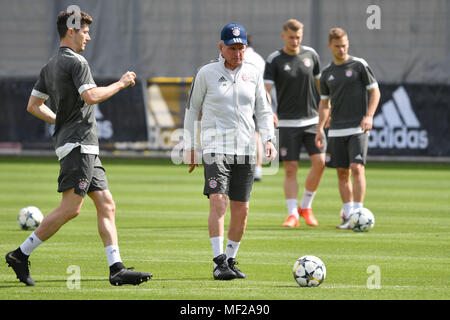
{"x": 235, "y": 40}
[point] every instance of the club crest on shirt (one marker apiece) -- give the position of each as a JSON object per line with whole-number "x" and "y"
{"x": 348, "y": 73}
{"x": 307, "y": 62}
{"x": 245, "y": 77}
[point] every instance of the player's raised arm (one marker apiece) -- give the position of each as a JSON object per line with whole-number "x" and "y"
{"x": 98, "y": 94}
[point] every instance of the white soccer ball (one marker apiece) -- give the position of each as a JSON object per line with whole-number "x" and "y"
{"x": 309, "y": 271}
{"x": 362, "y": 220}
{"x": 29, "y": 218}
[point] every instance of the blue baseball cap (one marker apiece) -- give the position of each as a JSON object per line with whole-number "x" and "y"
{"x": 234, "y": 33}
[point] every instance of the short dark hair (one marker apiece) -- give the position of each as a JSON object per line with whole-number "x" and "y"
{"x": 336, "y": 33}
{"x": 63, "y": 16}
{"x": 293, "y": 25}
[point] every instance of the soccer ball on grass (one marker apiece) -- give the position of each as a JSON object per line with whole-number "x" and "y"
{"x": 29, "y": 218}
{"x": 362, "y": 220}
{"x": 309, "y": 271}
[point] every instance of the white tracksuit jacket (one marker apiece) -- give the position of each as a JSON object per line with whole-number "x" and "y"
{"x": 227, "y": 103}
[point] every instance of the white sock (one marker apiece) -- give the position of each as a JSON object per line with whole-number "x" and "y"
{"x": 31, "y": 243}
{"x": 357, "y": 205}
{"x": 292, "y": 207}
{"x": 217, "y": 246}
{"x": 231, "y": 248}
{"x": 307, "y": 199}
{"x": 258, "y": 171}
{"x": 347, "y": 209}
{"x": 112, "y": 254}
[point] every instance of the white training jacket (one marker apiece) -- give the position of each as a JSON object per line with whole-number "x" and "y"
{"x": 227, "y": 103}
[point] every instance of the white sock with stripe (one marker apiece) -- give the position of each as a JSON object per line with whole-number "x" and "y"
{"x": 113, "y": 254}
{"x": 31, "y": 243}
{"x": 231, "y": 248}
{"x": 307, "y": 199}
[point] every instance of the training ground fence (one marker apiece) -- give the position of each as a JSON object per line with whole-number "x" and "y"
{"x": 405, "y": 42}
{"x": 411, "y": 122}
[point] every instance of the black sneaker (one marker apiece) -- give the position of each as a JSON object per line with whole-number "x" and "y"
{"x": 232, "y": 265}
{"x": 19, "y": 263}
{"x": 128, "y": 276}
{"x": 222, "y": 271}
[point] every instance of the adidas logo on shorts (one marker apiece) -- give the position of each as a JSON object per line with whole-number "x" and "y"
{"x": 397, "y": 126}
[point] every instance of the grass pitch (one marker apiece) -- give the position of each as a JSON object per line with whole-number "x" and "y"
{"x": 162, "y": 225}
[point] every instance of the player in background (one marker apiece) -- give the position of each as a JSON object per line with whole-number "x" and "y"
{"x": 253, "y": 57}
{"x": 294, "y": 70}
{"x": 227, "y": 141}
{"x": 344, "y": 88}
{"x": 67, "y": 80}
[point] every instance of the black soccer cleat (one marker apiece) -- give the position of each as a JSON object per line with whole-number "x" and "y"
{"x": 222, "y": 271}
{"x": 128, "y": 276}
{"x": 20, "y": 267}
{"x": 232, "y": 265}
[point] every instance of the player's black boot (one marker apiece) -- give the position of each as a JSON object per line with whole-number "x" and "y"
{"x": 232, "y": 265}
{"x": 222, "y": 271}
{"x": 19, "y": 263}
{"x": 120, "y": 275}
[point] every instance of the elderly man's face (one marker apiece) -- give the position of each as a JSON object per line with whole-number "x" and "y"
{"x": 233, "y": 54}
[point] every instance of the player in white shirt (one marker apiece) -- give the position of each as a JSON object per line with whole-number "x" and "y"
{"x": 228, "y": 92}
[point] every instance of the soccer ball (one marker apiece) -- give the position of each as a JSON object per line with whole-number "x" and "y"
{"x": 29, "y": 218}
{"x": 361, "y": 220}
{"x": 309, "y": 271}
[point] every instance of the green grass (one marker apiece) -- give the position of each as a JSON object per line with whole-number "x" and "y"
{"x": 162, "y": 225}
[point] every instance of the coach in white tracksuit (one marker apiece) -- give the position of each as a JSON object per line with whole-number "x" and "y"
{"x": 227, "y": 93}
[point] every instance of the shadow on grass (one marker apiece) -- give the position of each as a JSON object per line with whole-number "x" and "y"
{"x": 16, "y": 283}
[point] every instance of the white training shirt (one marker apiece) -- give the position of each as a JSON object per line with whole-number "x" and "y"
{"x": 252, "y": 56}
{"x": 227, "y": 101}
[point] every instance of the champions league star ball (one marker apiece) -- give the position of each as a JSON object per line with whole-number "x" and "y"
{"x": 362, "y": 220}
{"x": 29, "y": 218}
{"x": 309, "y": 271}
